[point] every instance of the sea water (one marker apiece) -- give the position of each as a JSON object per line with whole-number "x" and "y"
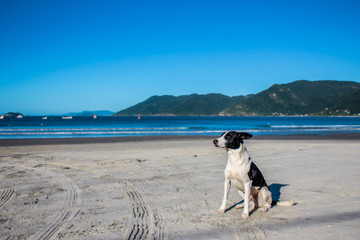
{"x": 110, "y": 126}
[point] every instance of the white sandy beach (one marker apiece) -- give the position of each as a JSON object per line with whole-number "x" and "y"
{"x": 172, "y": 189}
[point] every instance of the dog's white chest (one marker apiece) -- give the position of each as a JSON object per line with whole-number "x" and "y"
{"x": 237, "y": 175}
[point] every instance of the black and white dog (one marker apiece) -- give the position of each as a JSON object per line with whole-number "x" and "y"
{"x": 244, "y": 174}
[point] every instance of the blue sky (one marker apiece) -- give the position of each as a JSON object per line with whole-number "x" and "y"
{"x": 69, "y": 56}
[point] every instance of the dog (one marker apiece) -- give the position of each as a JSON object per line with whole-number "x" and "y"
{"x": 244, "y": 174}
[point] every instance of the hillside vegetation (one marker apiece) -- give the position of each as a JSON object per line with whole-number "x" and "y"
{"x": 296, "y": 98}
{"x": 194, "y": 104}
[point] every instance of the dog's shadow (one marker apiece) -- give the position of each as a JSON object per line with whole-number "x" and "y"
{"x": 275, "y": 192}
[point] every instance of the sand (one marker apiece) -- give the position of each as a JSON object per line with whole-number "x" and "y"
{"x": 172, "y": 189}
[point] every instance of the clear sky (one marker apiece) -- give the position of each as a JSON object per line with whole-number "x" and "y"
{"x": 68, "y": 56}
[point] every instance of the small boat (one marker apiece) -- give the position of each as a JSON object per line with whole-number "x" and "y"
{"x": 44, "y": 118}
{"x": 95, "y": 116}
{"x": 139, "y": 117}
{"x": 1, "y": 116}
{"x": 67, "y": 117}
{"x": 19, "y": 116}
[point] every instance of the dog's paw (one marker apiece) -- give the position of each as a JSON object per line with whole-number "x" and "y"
{"x": 245, "y": 215}
{"x": 265, "y": 209}
{"x": 221, "y": 211}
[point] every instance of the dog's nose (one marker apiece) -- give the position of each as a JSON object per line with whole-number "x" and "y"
{"x": 215, "y": 141}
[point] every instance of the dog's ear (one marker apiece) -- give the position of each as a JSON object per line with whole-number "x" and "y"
{"x": 244, "y": 135}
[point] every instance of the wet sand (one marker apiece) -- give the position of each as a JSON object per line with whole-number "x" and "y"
{"x": 171, "y": 188}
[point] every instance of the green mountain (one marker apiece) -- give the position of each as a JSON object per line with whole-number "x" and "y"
{"x": 296, "y": 98}
{"x": 299, "y": 97}
{"x": 350, "y": 104}
{"x": 186, "y": 105}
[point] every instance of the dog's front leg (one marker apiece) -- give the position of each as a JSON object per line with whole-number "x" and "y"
{"x": 226, "y": 194}
{"x": 247, "y": 187}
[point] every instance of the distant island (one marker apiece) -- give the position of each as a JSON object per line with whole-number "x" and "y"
{"x": 90, "y": 113}
{"x": 12, "y": 114}
{"x": 298, "y": 98}
{"x": 77, "y": 114}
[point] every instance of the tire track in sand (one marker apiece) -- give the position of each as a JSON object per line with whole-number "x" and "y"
{"x": 68, "y": 211}
{"x": 8, "y": 191}
{"x": 145, "y": 223}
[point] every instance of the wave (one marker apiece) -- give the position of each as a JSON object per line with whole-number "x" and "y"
{"x": 163, "y": 131}
{"x": 315, "y": 126}
{"x": 181, "y": 127}
{"x": 267, "y": 128}
{"x": 107, "y": 132}
{"x": 44, "y": 129}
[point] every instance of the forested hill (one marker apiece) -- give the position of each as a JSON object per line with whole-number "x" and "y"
{"x": 194, "y": 104}
{"x": 296, "y": 98}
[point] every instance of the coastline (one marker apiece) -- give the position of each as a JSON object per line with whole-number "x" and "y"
{"x": 98, "y": 140}
{"x": 124, "y": 129}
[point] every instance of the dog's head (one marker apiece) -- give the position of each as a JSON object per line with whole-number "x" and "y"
{"x": 231, "y": 139}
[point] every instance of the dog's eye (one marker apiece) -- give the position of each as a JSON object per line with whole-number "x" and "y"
{"x": 227, "y": 137}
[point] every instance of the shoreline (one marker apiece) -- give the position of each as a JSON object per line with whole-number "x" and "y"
{"x": 102, "y": 140}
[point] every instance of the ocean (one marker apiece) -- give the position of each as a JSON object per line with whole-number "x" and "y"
{"x": 109, "y": 126}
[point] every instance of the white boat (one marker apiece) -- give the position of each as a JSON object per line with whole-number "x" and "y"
{"x": 19, "y": 116}
{"x": 95, "y": 116}
{"x": 1, "y": 116}
{"x": 67, "y": 117}
{"x": 44, "y": 118}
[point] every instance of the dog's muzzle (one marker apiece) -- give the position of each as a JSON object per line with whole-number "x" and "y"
{"x": 216, "y": 143}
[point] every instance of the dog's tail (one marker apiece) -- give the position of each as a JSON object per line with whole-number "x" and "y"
{"x": 285, "y": 203}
